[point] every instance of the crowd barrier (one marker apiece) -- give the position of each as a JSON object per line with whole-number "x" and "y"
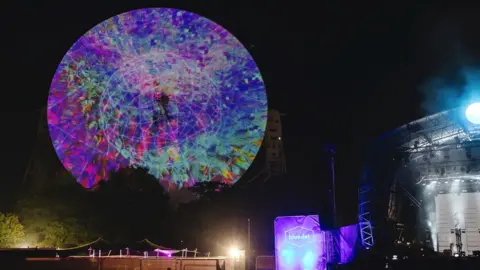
{"x": 124, "y": 263}
{"x": 265, "y": 263}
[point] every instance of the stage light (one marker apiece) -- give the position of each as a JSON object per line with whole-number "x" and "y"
{"x": 288, "y": 257}
{"x": 473, "y": 113}
{"x": 429, "y": 187}
{"x": 309, "y": 260}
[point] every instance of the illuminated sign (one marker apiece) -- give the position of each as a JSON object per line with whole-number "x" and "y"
{"x": 298, "y": 243}
{"x": 299, "y": 236}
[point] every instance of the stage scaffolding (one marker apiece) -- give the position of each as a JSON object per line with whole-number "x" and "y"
{"x": 435, "y": 150}
{"x": 364, "y": 216}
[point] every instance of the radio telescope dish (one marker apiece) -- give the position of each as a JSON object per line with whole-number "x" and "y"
{"x": 162, "y": 89}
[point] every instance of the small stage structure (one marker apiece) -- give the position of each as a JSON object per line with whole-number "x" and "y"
{"x": 300, "y": 243}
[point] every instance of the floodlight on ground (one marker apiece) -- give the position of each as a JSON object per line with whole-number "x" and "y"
{"x": 24, "y": 245}
{"x": 235, "y": 252}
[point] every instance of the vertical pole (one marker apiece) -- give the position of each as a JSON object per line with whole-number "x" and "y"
{"x": 248, "y": 246}
{"x": 330, "y": 152}
{"x": 333, "y": 237}
{"x": 333, "y": 192}
{"x": 438, "y": 246}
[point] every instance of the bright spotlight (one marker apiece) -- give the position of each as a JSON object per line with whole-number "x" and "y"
{"x": 473, "y": 113}
{"x": 235, "y": 252}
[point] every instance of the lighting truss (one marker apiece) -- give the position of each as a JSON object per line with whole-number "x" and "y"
{"x": 364, "y": 217}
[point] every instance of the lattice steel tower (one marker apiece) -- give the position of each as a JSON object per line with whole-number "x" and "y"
{"x": 43, "y": 167}
{"x": 275, "y": 161}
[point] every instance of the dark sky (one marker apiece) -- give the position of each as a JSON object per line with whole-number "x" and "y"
{"x": 342, "y": 73}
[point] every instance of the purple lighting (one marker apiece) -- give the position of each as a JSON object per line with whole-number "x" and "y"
{"x": 164, "y": 252}
{"x": 298, "y": 243}
{"x": 348, "y": 242}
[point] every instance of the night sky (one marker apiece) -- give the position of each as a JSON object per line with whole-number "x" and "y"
{"x": 342, "y": 74}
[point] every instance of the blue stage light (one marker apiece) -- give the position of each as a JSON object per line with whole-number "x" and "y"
{"x": 309, "y": 260}
{"x": 473, "y": 113}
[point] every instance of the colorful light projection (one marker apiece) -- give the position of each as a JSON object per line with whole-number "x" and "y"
{"x": 162, "y": 89}
{"x": 299, "y": 243}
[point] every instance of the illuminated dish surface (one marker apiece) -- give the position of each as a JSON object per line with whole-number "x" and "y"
{"x": 162, "y": 89}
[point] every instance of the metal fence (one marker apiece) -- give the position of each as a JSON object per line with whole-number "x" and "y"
{"x": 265, "y": 263}
{"x": 124, "y": 263}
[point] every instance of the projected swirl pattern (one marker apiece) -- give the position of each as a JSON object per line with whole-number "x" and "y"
{"x": 106, "y": 108}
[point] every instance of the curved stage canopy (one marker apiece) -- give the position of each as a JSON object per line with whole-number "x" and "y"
{"x": 434, "y": 129}
{"x": 439, "y": 146}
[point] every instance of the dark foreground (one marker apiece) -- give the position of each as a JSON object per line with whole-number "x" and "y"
{"x": 114, "y": 263}
{"x": 440, "y": 263}
{"x": 163, "y": 263}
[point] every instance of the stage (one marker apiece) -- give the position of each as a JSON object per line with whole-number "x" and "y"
{"x": 424, "y": 177}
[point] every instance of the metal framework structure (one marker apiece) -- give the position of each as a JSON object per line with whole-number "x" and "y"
{"x": 431, "y": 131}
{"x": 43, "y": 165}
{"x": 42, "y": 132}
{"x": 275, "y": 163}
{"x": 364, "y": 217}
{"x": 437, "y": 148}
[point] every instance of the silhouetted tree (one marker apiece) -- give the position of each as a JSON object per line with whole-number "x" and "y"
{"x": 211, "y": 190}
{"x": 131, "y": 206}
{"x": 217, "y": 217}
